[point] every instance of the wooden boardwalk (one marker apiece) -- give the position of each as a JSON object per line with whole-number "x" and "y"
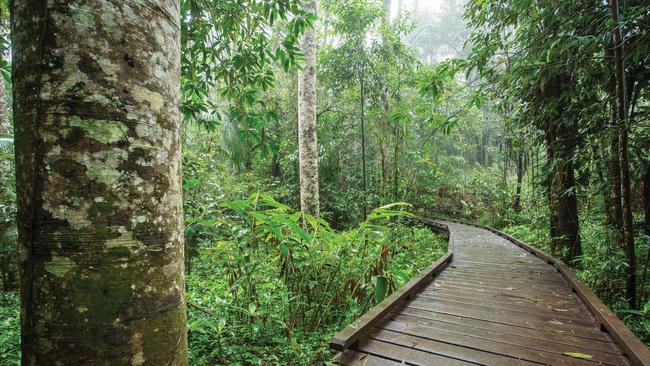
{"x": 490, "y": 301}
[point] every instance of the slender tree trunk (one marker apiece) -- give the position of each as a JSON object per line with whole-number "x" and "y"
{"x": 387, "y": 11}
{"x": 646, "y": 198}
{"x": 396, "y": 163}
{"x": 416, "y": 6}
{"x": 385, "y": 110}
{"x": 621, "y": 113}
{"x": 616, "y": 219}
{"x": 383, "y": 144}
{"x": 363, "y": 144}
{"x": 4, "y": 121}
{"x": 616, "y": 210}
{"x": 484, "y": 141}
{"x": 307, "y": 124}
{"x": 520, "y": 178}
{"x": 276, "y": 168}
{"x": 100, "y": 218}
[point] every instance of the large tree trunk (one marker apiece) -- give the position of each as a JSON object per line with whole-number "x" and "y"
{"x": 307, "y": 126}
{"x": 621, "y": 123}
{"x": 96, "y": 96}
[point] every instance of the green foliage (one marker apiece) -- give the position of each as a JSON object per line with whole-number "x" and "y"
{"x": 278, "y": 283}
{"x": 227, "y": 49}
{"x": 9, "y": 329}
{"x": 8, "y": 232}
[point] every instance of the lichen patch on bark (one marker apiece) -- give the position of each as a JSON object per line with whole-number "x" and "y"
{"x": 59, "y": 265}
{"x": 104, "y": 131}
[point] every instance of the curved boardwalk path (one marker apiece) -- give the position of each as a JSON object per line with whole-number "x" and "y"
{"x": 494, "y": 303}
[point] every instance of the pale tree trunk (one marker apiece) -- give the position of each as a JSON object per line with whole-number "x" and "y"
{"x": 4, "y": 123}
{"x": 621, "y": 123}
{"x": 396, "y": 162}
{"x": 385, "y": 111}
{"x": 307, "y": 124}
{"x": 383, "y": 142}
{"x": 96, "y": 96}
{"x": 362, "y": 96}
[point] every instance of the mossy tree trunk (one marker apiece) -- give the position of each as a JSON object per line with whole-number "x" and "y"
{"x": 307, "y": 124}
{"x": 561, "y": 141}
{"x": 96, "y": 96}
{"x": 563, "y": 203}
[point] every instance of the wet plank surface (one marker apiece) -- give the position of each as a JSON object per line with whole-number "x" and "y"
{"x": 494, "y": 304}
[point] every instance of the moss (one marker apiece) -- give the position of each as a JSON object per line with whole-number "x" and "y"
{"x": 83, "y": 16}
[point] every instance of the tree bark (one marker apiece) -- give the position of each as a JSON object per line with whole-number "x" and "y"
{"x": 616, "y": 218}
{"x": 520, "y": 178}
{"x": 276, "y": 168}
{"x": 622, "y": 126}
{"x": 383, "y": 143}
{"x": 307, "y": 124}
{"x": 646, "y": 198}
{"x": 363, "y": 142}
{"x": 4, "y": 120}
{"x": 563, "y": 203}
{"x": 396, "y": 163}
{"x": 100, "y": 218}
{"x": 616, "y": 210}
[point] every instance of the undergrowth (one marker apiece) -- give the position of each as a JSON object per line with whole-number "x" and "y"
{"x": 272, "y": 286}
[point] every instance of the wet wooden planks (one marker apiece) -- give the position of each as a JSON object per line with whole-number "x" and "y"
{"x": 495, "y": 303}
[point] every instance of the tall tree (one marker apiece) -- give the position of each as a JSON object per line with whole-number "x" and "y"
{"x": 622, "y": 127}
{"x": 362, "y": 107}
{"x": 4, "y": 122}
{"x": 307, "y": 121}
{"x": 646, "y": 197}
{"x": 96, "y": 111}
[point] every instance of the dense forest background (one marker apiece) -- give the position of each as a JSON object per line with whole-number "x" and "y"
{"x": 529, "y": 116}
